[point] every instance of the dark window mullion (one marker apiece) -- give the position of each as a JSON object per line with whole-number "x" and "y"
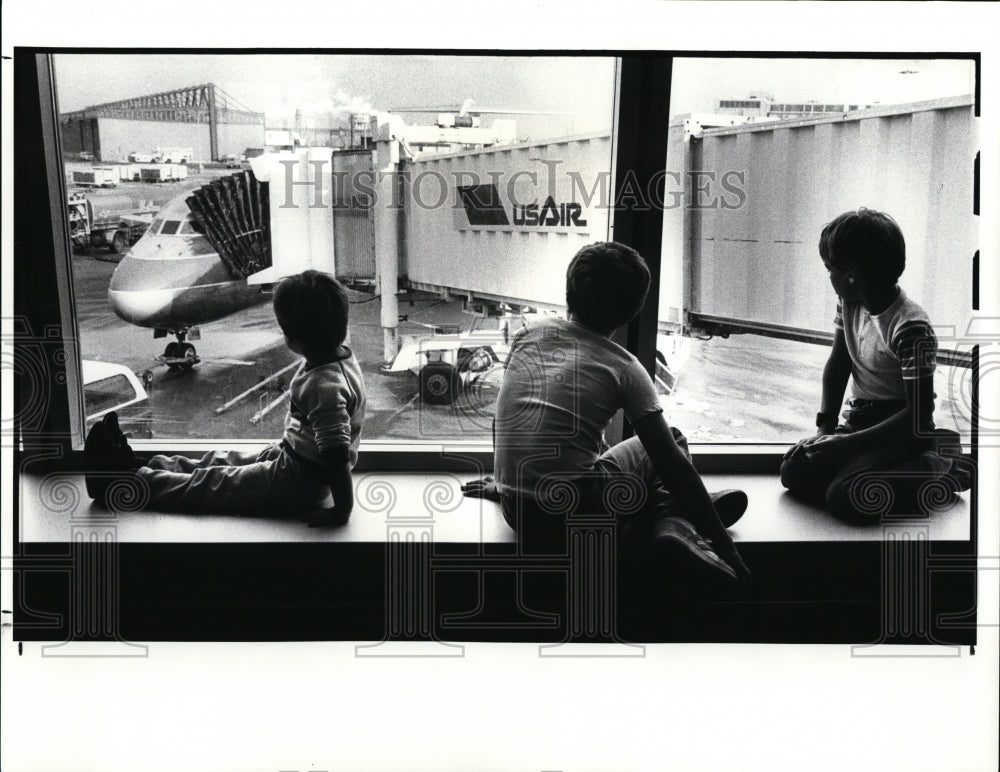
{"x": 643, "y": 121}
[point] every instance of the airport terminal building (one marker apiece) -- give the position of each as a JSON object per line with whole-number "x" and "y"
{"x": 201, "y": 117}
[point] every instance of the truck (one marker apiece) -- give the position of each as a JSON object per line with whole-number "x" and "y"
{"x": 454, "y": 365}
{"x": 96, "y": 177}
{"x": 129, "y": 172}
{"x": 139, "y": 157}
{"x": 163, "y": 173}
{"x": 111, "y": 222}
{"x": 281, "y": 139}
{"x": 109, "y": 386}
{"x": 174, "y": 155}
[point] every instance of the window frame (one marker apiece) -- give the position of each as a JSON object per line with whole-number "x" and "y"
{"x": 642, "y": 81}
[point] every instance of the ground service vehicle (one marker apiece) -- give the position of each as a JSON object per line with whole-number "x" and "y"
{"x": 96, "y": 177}
{"x": 175, "y": 155}
{"x": 108, "y": 386}
{"x": 139, "y": 157}
{"x": 114, "y": 222}
{"x": 163, "y": 173}
{"x": 448, "y": 363}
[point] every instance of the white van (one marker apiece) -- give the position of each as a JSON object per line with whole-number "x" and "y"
{"x": 108, "y": 386}
{"x": 175, "y": 155}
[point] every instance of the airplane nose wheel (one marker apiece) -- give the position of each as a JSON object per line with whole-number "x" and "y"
{"x": 180, "y": 351}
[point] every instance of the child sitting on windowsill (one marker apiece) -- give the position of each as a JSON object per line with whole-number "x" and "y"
{"x": 309, "y": 470}
{"x": 884, "y": 341}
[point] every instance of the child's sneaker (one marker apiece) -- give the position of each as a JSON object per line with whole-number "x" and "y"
{"x": 107, "y": 451}
{"x": 730, "y": 505}
{"x": 98, "y": 450}
{"x": 684, "y": 542}
{"x": 123, "y": 451}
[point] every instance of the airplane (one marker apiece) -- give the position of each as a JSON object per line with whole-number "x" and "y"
{"x": 467, "y": 114}
{"x": 173, "y": 279}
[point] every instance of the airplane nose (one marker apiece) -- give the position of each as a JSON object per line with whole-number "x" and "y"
{"x": 134, "y": 295}
{"x": 140, "y": 307}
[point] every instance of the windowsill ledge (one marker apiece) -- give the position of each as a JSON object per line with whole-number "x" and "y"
{"x": 54, "y": 507}
{"x": 467, "y": 457}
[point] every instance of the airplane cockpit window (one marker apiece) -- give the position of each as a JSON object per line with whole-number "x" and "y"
{"x": 154, "y": 227}
{"x": 190, "y": 227}
{"x": 170, "y": 227}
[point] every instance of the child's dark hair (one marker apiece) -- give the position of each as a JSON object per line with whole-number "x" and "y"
{"x": 606, "y": 285}
{"x": 311, "y": 308}
{"x": 867, "y": 240}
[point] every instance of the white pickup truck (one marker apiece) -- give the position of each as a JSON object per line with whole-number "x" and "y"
{"x": 108, "y": 386}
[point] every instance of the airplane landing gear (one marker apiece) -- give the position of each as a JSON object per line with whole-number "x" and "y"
{"x": 180, "y": 355}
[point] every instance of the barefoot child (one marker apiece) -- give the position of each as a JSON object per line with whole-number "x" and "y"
{"x": 884, "y": 341}
{"x": 309, "y": 469}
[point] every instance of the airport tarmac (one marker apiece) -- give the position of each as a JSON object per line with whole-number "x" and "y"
{"x": 745, "y": 388}
{"x": 246, "y": 347}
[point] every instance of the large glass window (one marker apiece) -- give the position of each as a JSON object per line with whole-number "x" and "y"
{"x": 746, "y": 308}
{"x": 436, "y": 287}
{"x": 494, "y": 181}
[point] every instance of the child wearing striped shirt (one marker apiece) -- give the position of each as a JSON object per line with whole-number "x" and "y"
{"x": 887, "y": 456}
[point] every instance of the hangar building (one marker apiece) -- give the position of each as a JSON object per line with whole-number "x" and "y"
{"x": 203, "y": 118}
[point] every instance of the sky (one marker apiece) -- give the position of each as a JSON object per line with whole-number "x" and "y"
{"x": 324, "y": 85}
{"x": 697, "y": 83}
{"x": 326, "y": 88}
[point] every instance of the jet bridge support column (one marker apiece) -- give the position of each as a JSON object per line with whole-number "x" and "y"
{"x": 388, "y": 213}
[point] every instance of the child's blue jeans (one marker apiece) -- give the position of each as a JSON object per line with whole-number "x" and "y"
{"x": 908, "y": 477}
{"x": 232, "y": 481}
{"x": 622, "y": 485}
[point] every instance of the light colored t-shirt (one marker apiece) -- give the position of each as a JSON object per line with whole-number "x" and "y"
{"x": 562, "y": 386}
{"x": 326, "y": 410}
{"x": 887, "y": 348}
